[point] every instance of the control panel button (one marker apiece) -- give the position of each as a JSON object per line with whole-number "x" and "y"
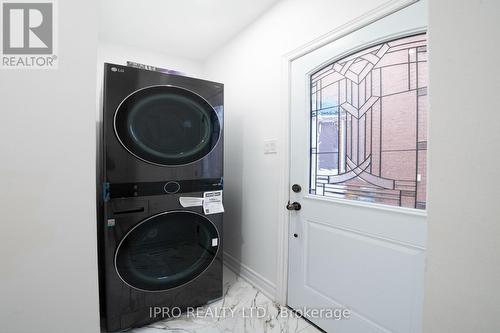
{"x": 172, "y": 187}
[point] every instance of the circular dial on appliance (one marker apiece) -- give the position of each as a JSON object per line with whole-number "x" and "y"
{"x": 167, "y": 125}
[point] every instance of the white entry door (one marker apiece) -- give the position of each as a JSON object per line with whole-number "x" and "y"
{"x": 358, "y": 153}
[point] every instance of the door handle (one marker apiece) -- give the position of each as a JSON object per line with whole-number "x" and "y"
{"x": 293, "y": 206}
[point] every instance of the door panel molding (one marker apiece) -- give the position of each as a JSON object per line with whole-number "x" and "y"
{"x": 405, "y": 231}
{"x": 369, "y": 235}
{"x": 364, "y": 275}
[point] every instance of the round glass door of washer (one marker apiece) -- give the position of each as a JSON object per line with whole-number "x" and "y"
{"x": 167, "y": 125}
{"x": 166, "y": 251}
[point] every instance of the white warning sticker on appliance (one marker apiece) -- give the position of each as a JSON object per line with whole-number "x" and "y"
{"x": 212, "y": 202}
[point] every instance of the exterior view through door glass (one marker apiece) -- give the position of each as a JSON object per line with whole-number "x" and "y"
{"x": 369, "y": 125}
{"x": 357, "y": 231}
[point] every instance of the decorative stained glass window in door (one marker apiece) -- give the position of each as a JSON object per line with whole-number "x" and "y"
{"x": 369, "y": 125}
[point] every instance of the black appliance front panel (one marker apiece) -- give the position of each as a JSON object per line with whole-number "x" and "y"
{"x": 131, "y": 290}
{"x": 132, "y": 185}
{"x": 146, "y": 153}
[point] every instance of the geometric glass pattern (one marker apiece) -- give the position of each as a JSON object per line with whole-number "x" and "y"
{"x": 369, "y": 125}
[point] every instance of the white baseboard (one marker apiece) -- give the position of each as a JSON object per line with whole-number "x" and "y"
{"x": 255, "y": 279}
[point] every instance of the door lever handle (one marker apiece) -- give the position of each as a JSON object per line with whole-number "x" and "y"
{"x": 293, "y": 206}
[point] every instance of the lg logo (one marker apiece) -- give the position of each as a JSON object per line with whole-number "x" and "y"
{"x": 27, "y": 28}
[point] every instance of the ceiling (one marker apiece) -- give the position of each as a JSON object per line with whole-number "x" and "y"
{"x": 192, "y": 29}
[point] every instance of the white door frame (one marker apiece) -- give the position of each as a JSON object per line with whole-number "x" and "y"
{"x": 376, "y": 14}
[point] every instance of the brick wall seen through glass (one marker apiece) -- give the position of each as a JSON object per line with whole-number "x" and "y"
{"x": 369, "y": 125}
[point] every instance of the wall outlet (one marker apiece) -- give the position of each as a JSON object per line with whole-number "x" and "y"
{"x": 270, "y": 147}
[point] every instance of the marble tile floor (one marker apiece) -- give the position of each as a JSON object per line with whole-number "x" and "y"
{"x": 247, "y": 310}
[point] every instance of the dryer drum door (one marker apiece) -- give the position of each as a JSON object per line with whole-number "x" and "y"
{"x": 166, "y": 250}
{"x": 167, "y": 125}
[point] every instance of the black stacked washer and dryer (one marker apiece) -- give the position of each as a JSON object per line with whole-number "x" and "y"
{"x": 161, "y": 139}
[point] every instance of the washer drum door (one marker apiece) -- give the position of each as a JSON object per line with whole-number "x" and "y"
{"x": 167, "y": 125}
{"x": 166, "y": 251}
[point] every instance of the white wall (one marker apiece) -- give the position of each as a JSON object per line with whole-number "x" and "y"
{"x": 48, "y": 227}
{"x": 463, "y": 268}
{"x": 250, "y": 67}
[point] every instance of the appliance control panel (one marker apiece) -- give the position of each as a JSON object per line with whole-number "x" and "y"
{"x": 128, "y": 190}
